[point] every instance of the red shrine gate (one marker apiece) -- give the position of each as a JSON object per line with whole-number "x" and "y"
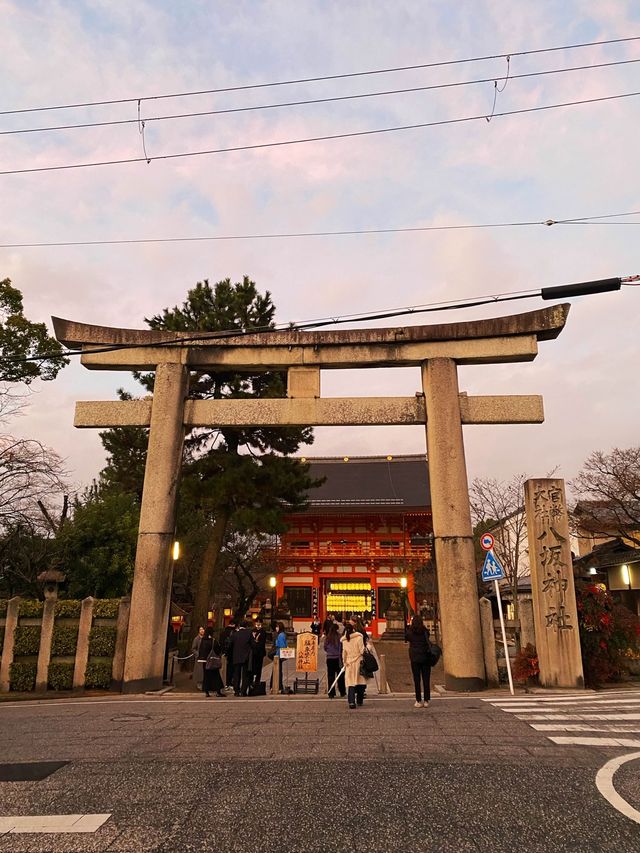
{"x": 366, "y": 531}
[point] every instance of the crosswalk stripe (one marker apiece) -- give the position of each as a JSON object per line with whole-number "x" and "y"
{"x": 594, "y": 741}
{"x": 528, "y": 717}
{"x": 52, "y": 823}
{"x": 580, "y": 727}
{"x": 584, "y": 696}
{"x": 594, "y": 702}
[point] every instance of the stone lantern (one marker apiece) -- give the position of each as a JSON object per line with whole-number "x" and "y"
{"x": 51, "y": 580}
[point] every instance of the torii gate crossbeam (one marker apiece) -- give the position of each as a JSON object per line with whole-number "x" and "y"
{"x": 436, "y": 349}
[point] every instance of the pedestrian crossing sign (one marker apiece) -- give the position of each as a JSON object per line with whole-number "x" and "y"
{"x": 492, "y": 569}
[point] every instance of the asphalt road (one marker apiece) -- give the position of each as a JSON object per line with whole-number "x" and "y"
{"x": 305, "y": 774}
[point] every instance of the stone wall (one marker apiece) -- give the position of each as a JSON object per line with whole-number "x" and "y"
{"x": 62, "y": 644}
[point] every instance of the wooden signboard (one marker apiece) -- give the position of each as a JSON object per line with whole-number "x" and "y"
{"x": 306, "y": 652}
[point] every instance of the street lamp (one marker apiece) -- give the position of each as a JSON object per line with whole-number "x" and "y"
{"x": 272, "y": 583}
{"x": 403, "y": 586}
{"x": 175, "y": 552}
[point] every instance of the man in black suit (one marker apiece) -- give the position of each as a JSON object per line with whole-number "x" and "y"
{"x": 258, "y": 651}
{"x": 240, "y": 654}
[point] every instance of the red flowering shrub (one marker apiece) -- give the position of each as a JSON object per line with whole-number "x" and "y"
{"x": 607, "y": 632}
{"x": 525, "y": 664}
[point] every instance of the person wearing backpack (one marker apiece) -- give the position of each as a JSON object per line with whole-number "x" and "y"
{"x": 417, "y": 636}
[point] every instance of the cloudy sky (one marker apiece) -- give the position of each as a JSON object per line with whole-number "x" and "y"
{"x": 573, "y": 162}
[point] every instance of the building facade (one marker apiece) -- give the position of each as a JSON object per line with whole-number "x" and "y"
{"x": 356, "y": 548}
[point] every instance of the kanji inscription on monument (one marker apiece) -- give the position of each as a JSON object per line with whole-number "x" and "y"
{"x": 554, "y": 599}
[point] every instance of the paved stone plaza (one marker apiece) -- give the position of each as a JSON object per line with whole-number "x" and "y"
{"x": 306, "y": 774}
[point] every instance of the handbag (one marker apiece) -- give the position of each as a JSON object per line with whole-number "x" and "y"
{"x": 368, "y": 664}
{"x": 214, "y": 661}
{"x": 435, "y": 653}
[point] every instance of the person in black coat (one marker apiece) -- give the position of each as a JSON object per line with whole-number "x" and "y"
{"x": 258, "y": 651}
{"x": 420, "y": 656}
{"x": 211, "y": 680}
{"x": 240, "y": 654}
{"x": 226, "y": 638}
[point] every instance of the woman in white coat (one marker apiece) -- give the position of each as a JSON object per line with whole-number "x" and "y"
{"x": 352, "y": 651}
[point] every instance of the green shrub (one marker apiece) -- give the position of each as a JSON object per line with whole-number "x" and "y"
{"x": 68, "y": 608}
{"x": 30, "y": 608}
{"x": 60, "y": 676}
{"x": 102, "y": 641}
{"x": 27, "y": 640}
{"x": 98, "y": 673}
{"x": 106, "y": 608}
{"x": 22, "y": 676}
{"x": 64, "y": 640}
{"x": 4, "y": 603}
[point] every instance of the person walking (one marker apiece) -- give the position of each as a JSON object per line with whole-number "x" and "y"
{"x": 195, "y": 651}
{"x": 328, "y": 622}
{"x": 279, "y": 644}
{"x": 352, "y": 651}
{"x": 240, "y": 653}
{"x": 258, "y": 651}
{"x": 333, "y": 649}
{"x": 315, "y": 626}
{"x": 417, "y": 636}
{"x": 210, "y": 654}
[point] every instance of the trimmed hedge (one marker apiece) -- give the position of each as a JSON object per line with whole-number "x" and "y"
{"x": 106, "y": 608}
{"x": 22, "y": 677}
{"x": 30, "y": 608}
{"x": 27, "y": 641}
{"x": 68, "y": 608}
{"x": 64, "y": 640}
{"x": 60, "y": 676}
{"x": 102, "y": 641}
{"x": 98, "y": 673}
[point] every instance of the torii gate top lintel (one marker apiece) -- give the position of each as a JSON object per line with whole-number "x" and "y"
{"x": 545, "y": 324}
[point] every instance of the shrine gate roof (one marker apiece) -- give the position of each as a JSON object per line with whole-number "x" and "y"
{"x": 370, "y": 483}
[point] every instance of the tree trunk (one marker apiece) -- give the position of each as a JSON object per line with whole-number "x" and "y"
{"x": 207, "y": 571}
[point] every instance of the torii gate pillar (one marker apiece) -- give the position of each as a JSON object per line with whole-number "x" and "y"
{"x": 151, "y": 592}
{"x": 453, "y": 534}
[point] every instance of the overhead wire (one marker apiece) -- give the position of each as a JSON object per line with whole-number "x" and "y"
{"x": 580, "y": 220}
{"x": 310, "y": 139}
{"x": 305, "y": 325}
{"x": 317, "y": 79}
{"x": 311, "y": 101}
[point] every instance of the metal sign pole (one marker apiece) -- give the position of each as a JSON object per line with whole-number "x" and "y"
{"x": 504, "y": 637}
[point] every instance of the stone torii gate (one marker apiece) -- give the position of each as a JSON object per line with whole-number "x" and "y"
{"x": 436, "y": 349}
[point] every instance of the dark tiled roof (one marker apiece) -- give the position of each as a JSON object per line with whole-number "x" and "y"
{"x": 366, "y": 482}
{"x": 607, "y": 554}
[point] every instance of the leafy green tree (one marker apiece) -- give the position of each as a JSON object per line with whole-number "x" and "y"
{"x": 21, "y": 339}
{"x": 25, "y": 551}
{"x": 96, "y": 548}
{"x": 126, "y": 449}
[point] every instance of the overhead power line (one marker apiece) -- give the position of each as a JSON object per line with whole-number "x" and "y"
{"x": 311, "y": 101}
{"x": 324, "y": 138}
{"x": 318, "y": 79}
{"x": 583, "y": 288}
{"x": 581, "y": 220}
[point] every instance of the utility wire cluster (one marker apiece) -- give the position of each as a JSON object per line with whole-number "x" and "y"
{"x": 499, "y": 84}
